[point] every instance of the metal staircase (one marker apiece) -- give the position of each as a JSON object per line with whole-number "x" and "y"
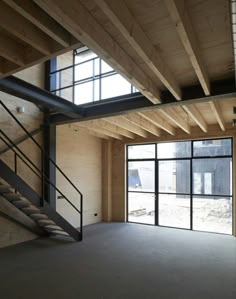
{"x": 18, "y": 192}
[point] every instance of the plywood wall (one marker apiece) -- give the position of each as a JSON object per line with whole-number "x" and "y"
{"x": 80, "y": 157}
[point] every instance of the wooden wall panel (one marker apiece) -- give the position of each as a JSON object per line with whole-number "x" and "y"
{"x": 80, "y": 157}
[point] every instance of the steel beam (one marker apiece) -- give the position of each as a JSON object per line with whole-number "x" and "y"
{"x": 26, "y": 91}
{"x": 221, "y": 90}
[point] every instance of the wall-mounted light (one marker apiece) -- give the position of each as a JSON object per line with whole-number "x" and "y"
{"x": 20, "y": 109}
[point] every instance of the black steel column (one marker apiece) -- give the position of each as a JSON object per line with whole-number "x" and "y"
{"x": 49, "y": 137}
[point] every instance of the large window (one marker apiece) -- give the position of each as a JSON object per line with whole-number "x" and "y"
{"x": 181, "y": 184}
{"x": 89, "y": 79}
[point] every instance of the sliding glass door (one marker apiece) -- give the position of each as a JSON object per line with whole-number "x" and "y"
{"x": 181, "y": 184}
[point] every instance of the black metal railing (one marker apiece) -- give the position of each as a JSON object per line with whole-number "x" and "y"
{"x": 40, "y": 173}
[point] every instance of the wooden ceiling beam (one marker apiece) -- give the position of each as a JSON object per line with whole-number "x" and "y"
{"x": 122, "y": 122}
{"x": 100, "y": 130}
{"x": 171, "y": 114}
{"x": 143, "y": 123}
{"x": 31, "y": 58}
{"x": 113, "y": 128}
{"x": 218, "y": 115}
{"x": 179, "y": 13}
{"x": 196, "y": 116}
{"x": 87, "y": 131}
{"x": 120, "y": 16}
{"x": 29, "y": 10}
{"x": 22, "y": 29}
{"x": 157, "y": 120}
{"x": 11, "y": 50}
{"x": 76, "y": 19}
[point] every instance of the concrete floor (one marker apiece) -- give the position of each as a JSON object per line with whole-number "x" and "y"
{"x": 122, "y": 261}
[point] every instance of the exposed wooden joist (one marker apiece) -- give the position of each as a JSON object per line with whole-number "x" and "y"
{"x": 218, "y": 115}
{"x": 157, "y": 120}
{"x": 127, "y": 125}
{"x": 223, "y": 90}
{"x": 196, "y": 134}
{"x": 18, "y": 26}
{"x": 31, "y": 57}
{"x": 171, "y": 114}
{"x": 11, "y": 50}
{"x": 119, "y": 14}
{"x": 7, "y": 66}
{"x": 29, "y": 10}
{"x": 196, "y": 116}
{"x": 100, "y": 130}
{"x": 179, "y": 14}
{"x": 87, "y": 131}
{"x": 81, "y": 24}
{"x": 138, "y": 120}
{"x": 113, "y": 128}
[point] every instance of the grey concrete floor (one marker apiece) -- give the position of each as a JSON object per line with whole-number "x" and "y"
{"x": 122, "y": 261}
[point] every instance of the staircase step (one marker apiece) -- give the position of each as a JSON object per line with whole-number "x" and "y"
{"x": 5, "y": 189}
{"x": 46, "y": 222}
{"x": 29, "y": 210}
{"x": 53, "y": 228}
{"x": 12, "y": 196}
{"x": 38, "y": 216}
{"x": 60, "y": 233}
{"x": 21, "y": 204}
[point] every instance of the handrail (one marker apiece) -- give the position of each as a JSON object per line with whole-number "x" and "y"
{"x": 32, "y": 163}
{"x": 43, "y": 176}
{"x": 39, "y": 146}
{"x": 21, "y": 139}
{"x": 11, "y": 148}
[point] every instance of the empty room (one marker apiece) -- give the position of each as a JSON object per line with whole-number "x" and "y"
{"x": 117, "y": 149}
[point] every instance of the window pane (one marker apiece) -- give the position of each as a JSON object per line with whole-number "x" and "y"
{"x": 212, "y": 176}
{"x": 84, "y": 93}
{"x": 134, "y": 89}
{"x": 174, "y": 176}
{"x": 96, "y": 66}
{"x": 212, "y": 214}
{"x": 214, "y": 147}
{"x": 141, "y": 176}
{"x": 106, "y": 67}
{"x": 114, "y": 85}
{"x": 141, "y": 207}
{"x": 66, "y": 93}
{"x": 64, "y": 78}
{"x": 141, "y": 151}
{"x": 174, "y": 210}
{"x": 84, "y": 70}
{"x": 84, "y": 56}
{"x": 173, "y": 150}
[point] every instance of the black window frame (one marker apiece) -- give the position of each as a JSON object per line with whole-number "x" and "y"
{"x": 191, "y": 194}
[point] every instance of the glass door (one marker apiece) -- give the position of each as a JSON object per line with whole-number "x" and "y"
{"x": 141, "y": 184}
{"x": 173, "y": 196}
{"x": 186, "y": 184}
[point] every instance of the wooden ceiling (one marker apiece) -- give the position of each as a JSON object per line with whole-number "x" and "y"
{"x": 29, "y": 36}
{"x": 170, "y": 121}
{"x": 156, "y": 44}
